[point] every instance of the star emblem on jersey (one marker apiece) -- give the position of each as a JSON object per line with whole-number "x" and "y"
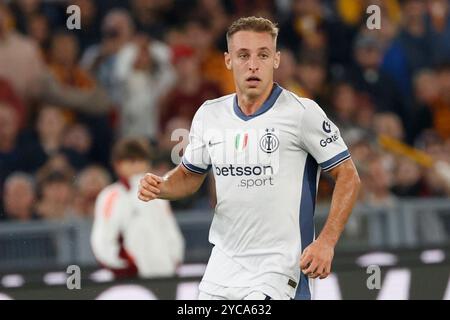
{"x": 269, "y": 142}
{"x": 241, "y": 141}
{"x": 326, "y": 126}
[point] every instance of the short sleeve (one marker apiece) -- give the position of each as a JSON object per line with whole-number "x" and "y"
{"x": 321, "y": 138}
{"x": 196, "y": 157}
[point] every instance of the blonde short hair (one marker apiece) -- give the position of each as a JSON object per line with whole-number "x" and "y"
{"x": 256, "y": 24}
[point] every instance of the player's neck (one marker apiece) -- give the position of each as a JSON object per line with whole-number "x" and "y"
{"x": 250, "y": 104}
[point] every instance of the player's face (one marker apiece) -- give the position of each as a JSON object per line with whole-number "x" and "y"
{"x": 252, "y": 57}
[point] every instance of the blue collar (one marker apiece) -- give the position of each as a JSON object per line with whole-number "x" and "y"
{"x": 276, "y": 91}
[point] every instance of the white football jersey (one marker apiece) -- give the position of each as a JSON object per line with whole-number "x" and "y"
{"x": 266, "y": 168}
{"x": 151, "y": 236}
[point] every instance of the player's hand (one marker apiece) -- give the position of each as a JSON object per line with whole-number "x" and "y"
{"x": 316, "y": 259}
{"x": 149, "y": 187}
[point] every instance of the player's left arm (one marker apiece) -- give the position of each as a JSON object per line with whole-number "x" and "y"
{"x": 317, "y": 258}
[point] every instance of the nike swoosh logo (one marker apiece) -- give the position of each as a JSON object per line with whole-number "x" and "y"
{"x": 214, "y": 143}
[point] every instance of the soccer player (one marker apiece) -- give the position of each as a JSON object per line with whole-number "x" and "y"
{"x": 131, "y": 237}
{"x": 266, "y": 147}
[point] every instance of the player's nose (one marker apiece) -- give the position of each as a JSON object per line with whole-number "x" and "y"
{"x": 253, "y": 64}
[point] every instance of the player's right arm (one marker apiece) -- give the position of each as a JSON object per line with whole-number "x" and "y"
{"x": 189, "y": 175}
{"x": 176, "y": 184}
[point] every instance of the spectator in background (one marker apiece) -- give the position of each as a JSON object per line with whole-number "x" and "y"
{"x": 244, "y": 8}
{"x": 65, "y": 66}
{"x": 9, "y": 96}
{"x": 48, "y": 140}
{"x": 367, "y": 77}
{"x": 50, "y": 126}
{"x": 54, "y": 195}
{"x": 20, "y": 62}
{"x": 306, "y": 24}
{"x": 378, "y": 180}
{"x": 441, "y": 107}
{"x": 10, "y": 151}
{"x": 191, "y": 89}
{"x": 349, "y": 15}
{"x": 388, "y": 124}
{"x": 411, "y": 50}
{"x": 22, "y": 67}
{"x": 19, "y": 197}
{"x": 285, "y": 75}
{"x": 63, "y": 62}
{"x": 214, "y": 12}
{"x": 116, "y": 31}
{"x": 39, "y": 30}
{"x": 366, "y": 111}
{"x": 408, "y": 180}
{"x": 129, "y": 236}
{"x": 426, "y": 93}
{"x": 438, "y": 22}
{"x": 144, "y": 74}
{"x": 311, "y": 73}
{"x": 438, "y": 177}
{"x": 349, "y": 112}
{"x": 344, "y": 103}
{"x": 152, "y": 17}
{"x": 78, "y": 138}
{"x": 23, "y": 10}
{"x": 88, "y": 184}
{"x": 200, "y": 37}
{"x": 56, "y": 163}
{"x": 88, "y": 34}
{"x": 9, "y": 128}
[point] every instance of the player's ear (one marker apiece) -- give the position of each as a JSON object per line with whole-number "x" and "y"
{"x": 277, "y": 60}
{"x": 227, "y": 60}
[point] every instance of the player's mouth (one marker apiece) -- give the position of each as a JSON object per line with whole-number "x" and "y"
{"x": 253, "y": 81}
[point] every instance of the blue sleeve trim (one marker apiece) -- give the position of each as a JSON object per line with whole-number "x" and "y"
{"x": 193, "y": 168}
{"x": 336, "y": 160}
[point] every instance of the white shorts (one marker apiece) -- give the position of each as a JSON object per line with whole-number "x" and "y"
{"x": 211, "y": 291}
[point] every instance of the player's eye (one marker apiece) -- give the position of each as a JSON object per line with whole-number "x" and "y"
{"x": 263, "y": 55}
{"x": 243, "y": 56}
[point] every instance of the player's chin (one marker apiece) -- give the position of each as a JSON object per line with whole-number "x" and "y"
{"x": 253, "y": 90}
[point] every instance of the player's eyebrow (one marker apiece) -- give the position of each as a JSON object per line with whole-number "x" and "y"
{"x": 259, "y": 49}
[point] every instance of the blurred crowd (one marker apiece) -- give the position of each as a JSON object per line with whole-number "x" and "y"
{"x": 143, "y": 67}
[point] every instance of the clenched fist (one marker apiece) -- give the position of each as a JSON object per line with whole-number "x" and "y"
{"x": 316, "y": 260}
{"x": 149, "y": 187}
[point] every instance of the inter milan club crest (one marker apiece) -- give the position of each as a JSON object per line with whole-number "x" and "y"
{"x": 269, "y": 142}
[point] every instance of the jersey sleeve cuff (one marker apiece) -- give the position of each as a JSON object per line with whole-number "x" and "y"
{"x": 193, "y": 168}
{"x": 335, "y": 161}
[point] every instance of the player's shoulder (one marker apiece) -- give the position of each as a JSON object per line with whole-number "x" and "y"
{"x": 215, "y": 105}
{"x": 300, "y": 102}
{"x": 305, "y": 106}
{"x": 223, "y": 100}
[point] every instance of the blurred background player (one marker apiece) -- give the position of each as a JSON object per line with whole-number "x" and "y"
{"x": 130, "y": 236}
